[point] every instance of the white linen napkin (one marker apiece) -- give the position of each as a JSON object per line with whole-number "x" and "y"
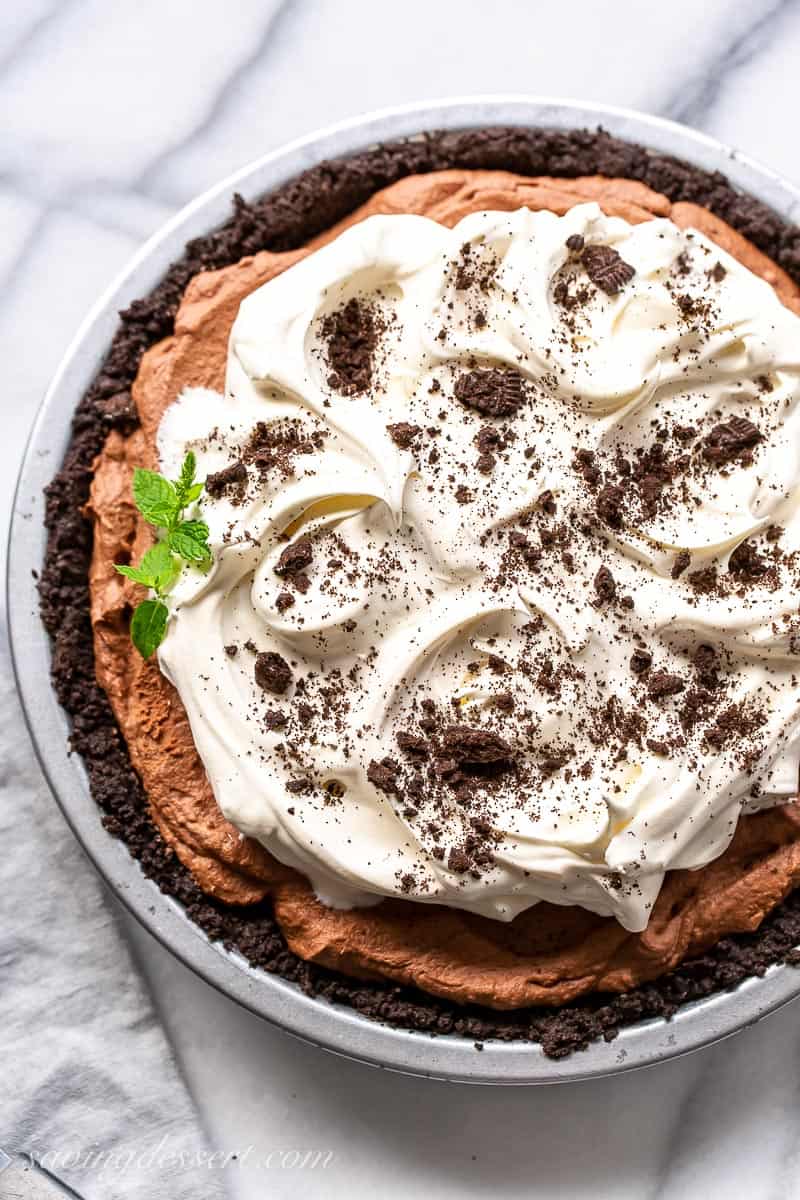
{"x": 88, "y": 1081}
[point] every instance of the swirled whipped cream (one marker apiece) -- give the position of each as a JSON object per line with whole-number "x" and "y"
{"x": 504, "y": 603}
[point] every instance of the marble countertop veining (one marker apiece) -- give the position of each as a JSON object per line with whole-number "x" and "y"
{"x": 112, "y": 115}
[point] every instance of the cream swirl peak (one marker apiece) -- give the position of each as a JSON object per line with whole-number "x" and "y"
{"x": 507, "y": 553}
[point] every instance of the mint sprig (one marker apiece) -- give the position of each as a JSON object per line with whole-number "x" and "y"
{"x": 163, "y": 503}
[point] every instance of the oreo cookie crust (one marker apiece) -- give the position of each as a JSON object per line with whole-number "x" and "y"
{"x": 284, "y": 220}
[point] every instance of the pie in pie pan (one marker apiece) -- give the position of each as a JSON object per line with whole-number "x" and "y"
{"x": 471, "y": 744}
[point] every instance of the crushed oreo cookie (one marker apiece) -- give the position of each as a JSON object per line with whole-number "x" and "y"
{"x": 746, "y": 563}
{"x": 494, "y": 392}
{"x": 605, "y": 586}
{"x": 606, "y": 268}
{"x": 732, "y": 440}
{"x": 352, "y": 334}
{"x": 295, "y": 558}
{"x": 272, "y": 672}
{"x": 661, "y": 684}
{"x": 403, "y": 434}
{"x": 466, "y": 744}
{"x": 229, "y": 479}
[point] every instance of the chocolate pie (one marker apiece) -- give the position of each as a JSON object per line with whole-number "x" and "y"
{"x": 482, "y": 718}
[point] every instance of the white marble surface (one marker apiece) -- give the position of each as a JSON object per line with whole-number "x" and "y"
{"x": 111, "y": 116}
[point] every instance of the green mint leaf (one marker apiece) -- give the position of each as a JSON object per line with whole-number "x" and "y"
{"x": 158, "y": 569}
{"x": 194, "y": 491}
{"x": 148, "y": 626}
{"x": 156, "y": 498}
{"x": 185, "y": 483}
{"x": 137, "y": 574}
{"x": 162, "y": 504}
{"x": 190, "y": 540}
{"x": 161, "y": 566}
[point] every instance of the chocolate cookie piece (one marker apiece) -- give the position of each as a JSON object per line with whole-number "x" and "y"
{"x": 467, "y": 744}
{"x": 679, "y": 564}
{"x": 605, "y": 586}
{"x": 384, "y": 774}
{"x": 229, "y": 479}
{"x": 295, "y": 558}
{"x": 493, "y": 392}
{"x": 403, "y": 434}
{"x": 641, "y": 661}
{"x": 606, "y": 268}
{"x": 746, "y": 563}
{"x": 661, "y": 684}
{"x": 731, "y": 440}
{"x": 352, "y": 334}
{"x": 272, "y": 672}
{"x": 609, "y": 505}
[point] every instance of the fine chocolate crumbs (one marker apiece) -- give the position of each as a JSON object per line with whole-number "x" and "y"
{"x": 658, "y": 747}
{"x": 736, "y": 723}
{"x": 475, "y": 269}
{"x": 681, "y": 561}
{"x": 661, "y": 684}
{"x": 230, "y": 479}
{"x": 605, "y": 586}
{"x": 493, "y": 392}
{"x": 554, "y": 759}
{"x": 284, "y": 220}
{"x": 606, "y": 268}
{"x": 295, "y": 558}
{"x": 272, "y": 672}
{"x": 731, "y": 440}
{"x": 403, "y": 434}
{"x": 704, "y": 581}
{"x": 352, "y": 334}
{"x": 274, "y": 445}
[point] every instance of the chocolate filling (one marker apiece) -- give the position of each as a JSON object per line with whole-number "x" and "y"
{"x": 284, "y": 220}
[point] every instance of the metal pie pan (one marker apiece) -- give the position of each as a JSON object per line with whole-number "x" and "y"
{"x": 335, "y": 1028}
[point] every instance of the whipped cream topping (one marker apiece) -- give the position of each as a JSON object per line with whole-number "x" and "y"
{"x": 504, "y": 603}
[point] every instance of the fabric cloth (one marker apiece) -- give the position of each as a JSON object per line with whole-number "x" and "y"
{"x": 88, "y": 1081}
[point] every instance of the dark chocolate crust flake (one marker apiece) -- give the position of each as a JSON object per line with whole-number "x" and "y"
{"x": 284, "y": 220}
